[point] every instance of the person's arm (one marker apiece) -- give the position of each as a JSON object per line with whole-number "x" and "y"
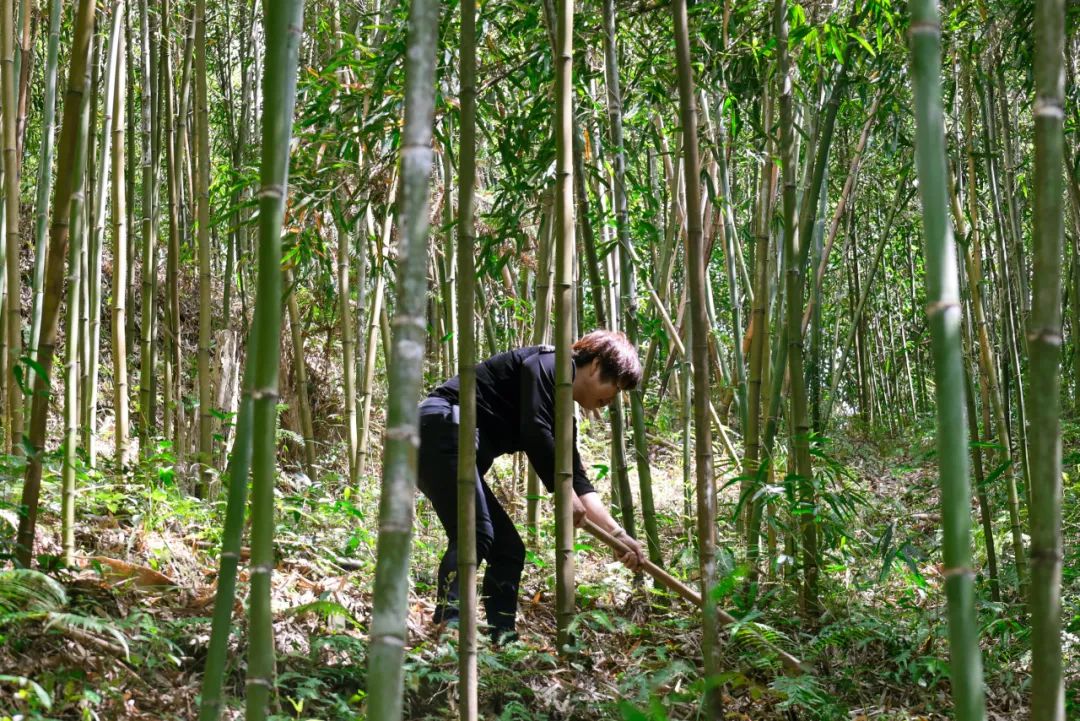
{"x": 538, "y": 437}
{"x": 537, "y": 425}
{"x": 597, "y": 512}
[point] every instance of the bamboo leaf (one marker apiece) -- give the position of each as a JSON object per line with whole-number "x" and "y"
{"x": 42, "y": 695}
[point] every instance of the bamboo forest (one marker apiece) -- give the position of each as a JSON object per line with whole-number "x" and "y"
{"x": 527, "y": 360}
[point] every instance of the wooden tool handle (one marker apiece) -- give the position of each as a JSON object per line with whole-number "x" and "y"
{"x": 790, "y": 662}
{"x": 653, "y": 570}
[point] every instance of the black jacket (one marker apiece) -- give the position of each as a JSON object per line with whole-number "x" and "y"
{"x": 515, "y": 411}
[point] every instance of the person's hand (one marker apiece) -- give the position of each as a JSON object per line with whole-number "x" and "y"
{"x": 579, "y": 512}
{"x": 634, "y": 557}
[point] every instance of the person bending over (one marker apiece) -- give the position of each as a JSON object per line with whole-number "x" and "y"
{"x": 515, "y": 411}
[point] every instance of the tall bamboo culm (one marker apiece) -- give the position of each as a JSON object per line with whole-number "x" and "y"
{"x": 71, "y": 164}
{"x": 96, "y": 215}
{"x": 564, "y": 321}
{"x": 120, "y": 260}
{"x": 296, "y": 330}
{"x": 202, "y": 203}
{"x": 11, "y": 200}
{"x": 348, "y": 364}
{"x": 466, "y": 468}
{"x": 988, "y": 377}
{"x": 391, "y": 597}
{"x": 627, "y": 280}
{"x": 1044, "y": 352}
{"x": 706, "y": 494}
{"x": 44, "y": 182}
{"x": 943, "y": 312}
{"x": 171, "y": 336}
{"x": 149, "y": 240}
{"x": 541, "y": 332}
{"x": 284, "y": 25}
{"x": 71, "y": 352}
{"x": 793, "y": 253}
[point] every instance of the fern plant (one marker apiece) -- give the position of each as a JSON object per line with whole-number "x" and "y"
{"x": 24, "y": 590}
{"x": 805, "y": 692}
{"x": 27, "y": 595}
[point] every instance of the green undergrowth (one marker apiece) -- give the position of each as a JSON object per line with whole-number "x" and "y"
{"x": 87, "y": 643}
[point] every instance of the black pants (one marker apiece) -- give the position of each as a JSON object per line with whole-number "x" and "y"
{"x": 497, "y": 541}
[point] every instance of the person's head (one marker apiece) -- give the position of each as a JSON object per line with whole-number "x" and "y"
{"x": 606, "y": 362}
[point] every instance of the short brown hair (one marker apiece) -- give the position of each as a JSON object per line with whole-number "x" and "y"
{"x": 618, "y": 357}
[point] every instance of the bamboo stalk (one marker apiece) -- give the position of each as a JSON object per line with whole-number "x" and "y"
{"x": 91, "y": 252}
{"x": 202, "y": 203}
{"x": 148, "y": 159}
{"x": 944, "y": 319}
{"x": 71, "y": 356}
{"x": 795, "y": 248}
{"x": 283, "y": 26}
{"x": 23, "y": 69}
{"x": 367, "y": 380}
{"x": 70, "y": 165}
{"x": 541, "y": 333}
{"x": 627, "y": 274}
{"x": 44, "y": 182}
{"x": 988, "y": 376}
{"x": 841, "y": 205}
{"x": 390, "y": 614}
{"x": 563, "y": 23}
{"x": 1044, "y": 348}
{"x": 300, "y": 369}
{"x": 8, "y": 82}
{"x": 467, "y": 287}
{"x": 171, "y": 381}
{"x": 348, "y": 365}
{"x": 759, "y": 327}
{"x": 696, "y": 262}
{"x": 120, "y": 259}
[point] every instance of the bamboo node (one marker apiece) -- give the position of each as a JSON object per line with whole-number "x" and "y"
{"x": 403, "y": 433}
{"x": 266, "y": 568}
{"x": 958, "y": 571}
{"x": 389, "y": 640}
{"x": 259, "y": 682}
{"x": 941, "y": 306}
{"x": 1048, "y": 108}
{"x": 275, "y": 191}
{"x": 1048, "y": 336}
{"x": 925, "y": 27}
{"x": 410, "y": 321}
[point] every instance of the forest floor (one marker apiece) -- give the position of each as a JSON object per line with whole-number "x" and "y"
{"x": 128, "y": 638}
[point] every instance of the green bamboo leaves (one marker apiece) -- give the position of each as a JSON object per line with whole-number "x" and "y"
{"x": 943, "y": 311}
